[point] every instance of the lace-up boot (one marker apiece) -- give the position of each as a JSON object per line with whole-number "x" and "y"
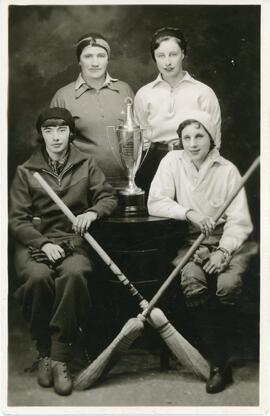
{"x": 62, "y": 381}
{"x": 45, "y": 375}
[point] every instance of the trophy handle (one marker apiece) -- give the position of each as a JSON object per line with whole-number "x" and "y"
{"x": 144, "y": 156}
{"x": 148, "y": 129}
{"x": 112, "y": 144}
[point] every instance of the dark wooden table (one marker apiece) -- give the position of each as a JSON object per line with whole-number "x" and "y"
{"x": 143, "y": 249}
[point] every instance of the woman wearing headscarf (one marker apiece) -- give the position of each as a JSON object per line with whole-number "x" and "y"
{"x": 191, "y": 185}
{"x": 96, "y": 101}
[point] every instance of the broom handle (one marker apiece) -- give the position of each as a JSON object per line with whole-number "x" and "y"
{"x": 108, "y": 261}
{"x": 147, "y": 307}
{"x": 199, "y": 240}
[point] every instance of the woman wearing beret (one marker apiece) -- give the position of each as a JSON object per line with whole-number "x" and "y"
{"x": 54, "y": 265}
{"x": 96, "y": 100}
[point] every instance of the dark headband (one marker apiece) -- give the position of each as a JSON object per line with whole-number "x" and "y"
{"x": 170, "y": 32}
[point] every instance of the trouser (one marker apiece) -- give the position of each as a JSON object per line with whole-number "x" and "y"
{"x": 149, "y": 167}
{"x": 55, "y": 300}
{"x": 212, "y": 300}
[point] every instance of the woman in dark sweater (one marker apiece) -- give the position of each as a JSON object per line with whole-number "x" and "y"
{"x": 53, "y": 263}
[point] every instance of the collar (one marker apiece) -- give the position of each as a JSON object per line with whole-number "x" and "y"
{"x": 38, "y": 162}
{"x": 81, "y": 86}
{"x": 49, "y": 159}
{"x": 186, "y": 78}
{"x": 57, "y": 166}
{"x": 212, "y": 157}
{"x": 197, "y": 177}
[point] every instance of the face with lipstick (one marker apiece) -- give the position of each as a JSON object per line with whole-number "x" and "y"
{"x": 168, "y": 48}
{"x": 169, "y": 58}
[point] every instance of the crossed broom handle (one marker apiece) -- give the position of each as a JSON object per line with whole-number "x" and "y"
{"x": 181, "y": 348}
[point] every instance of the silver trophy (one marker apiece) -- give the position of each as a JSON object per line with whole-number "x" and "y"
{"x": 128, "y": 151}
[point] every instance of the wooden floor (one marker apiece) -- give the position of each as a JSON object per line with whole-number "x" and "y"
{"x": 136, "y": 380}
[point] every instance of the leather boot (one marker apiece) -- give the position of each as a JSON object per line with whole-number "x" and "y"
{"x": 206, "y": 320}
{"x": 210, "y": 324}
{"x": 219, "y": 378}
{"x": 62, "y": 380}
{"x": 45, "y": 375}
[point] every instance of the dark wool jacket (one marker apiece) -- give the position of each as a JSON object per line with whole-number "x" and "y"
{"x": 81, "y": 185}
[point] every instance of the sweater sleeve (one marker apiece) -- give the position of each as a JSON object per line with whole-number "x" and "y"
{"x": 58, "y": 100}
{"x": 238, "y": 225}
{"x": 161, "y": 200}
{"x": 21, "y": 213}
{"x": 102, "y": 195}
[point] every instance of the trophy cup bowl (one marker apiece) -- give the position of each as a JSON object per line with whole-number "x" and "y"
{"x": 131, "y": 198}
{"x": 129, "y": 154}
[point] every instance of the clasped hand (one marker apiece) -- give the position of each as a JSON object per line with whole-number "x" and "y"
{"x": 53, "y": 251}
{"x": 215, "y": 262}
{"x": 83, "y": 222}
{"x": 205, "y": 224}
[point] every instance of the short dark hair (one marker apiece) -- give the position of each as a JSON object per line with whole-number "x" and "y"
{"x": 166, "y": 33}
{"x": 81, "y": 44}
{"x": 188, "y": 123}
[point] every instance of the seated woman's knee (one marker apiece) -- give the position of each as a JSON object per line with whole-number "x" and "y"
{"x": 193, "y": 282}
{"x": 37, "y": 274}
{"x": 229, "y": 288}
{"x": 76, "y": 268}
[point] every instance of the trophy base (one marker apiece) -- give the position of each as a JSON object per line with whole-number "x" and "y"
{"x": 131, "y": 205}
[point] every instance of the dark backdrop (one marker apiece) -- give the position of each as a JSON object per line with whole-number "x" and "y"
{"x": 223, "y": 52}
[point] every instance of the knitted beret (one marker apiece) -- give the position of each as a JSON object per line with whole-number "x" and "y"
{"x": 55, "y": 113}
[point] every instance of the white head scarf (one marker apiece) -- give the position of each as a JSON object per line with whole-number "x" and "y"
{"x": 203, "y": 118}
